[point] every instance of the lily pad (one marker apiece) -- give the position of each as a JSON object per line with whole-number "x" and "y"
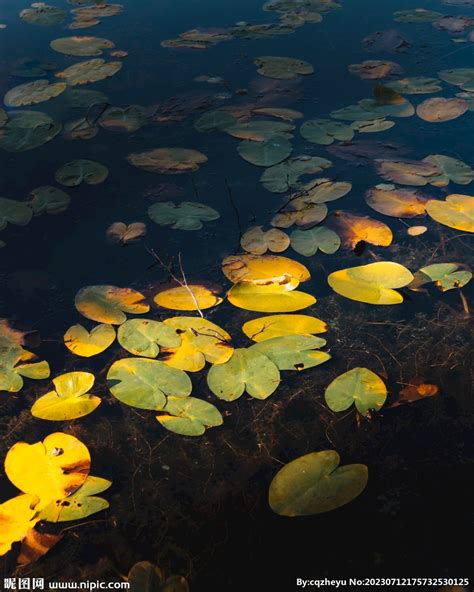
{"x": 214, "y": 120}
{"x": 260, "y": 131}
{"x": 439, "y": 109}
{"x": 279, "y": 113}
{"x": 263, "y": 269}
{"x": 201, "y": 342}
{"x": 417, "y": 85}
{"x": 457, "y": 211}
{"x": 293, "y": 352}
{"x": 373, "y": 126}
{"x": 108, "y": 304}
{"x": 373, "y": 283}
{"x": 282, "y": 68}
{"x": 269, "y": 298}
{"x": 462, "y": 77}
{"x": 128, "y": 119}
{"x": 257, "y": 241}
{"x": 308, "y": 242}
{"x": 142, "y": 337}
{"x": 354, "y": 229}
{"x": 81, "y": 45}
{"x": 325, "y": 131}
{"x": 79, "y": 171}
{"x": 247, "y": 371}
{"x": 89, "y": 71}
{"x": 375, "y": 69}
{"x": 70, "y": 398}
{"x": 34, "y": 92}
{"x": 446, "y": 276}
{"x": 416, "y": 15}
{"x": 272, "y": 326}
{"x": 124, "y": 234}
{"x": 450, "y": 170}
{"x": 26, "y": 130}
{"x": 408, "y": 172}
{"x": 314, "y": 484}
{"x": 185, "y": 216}
{"x": 168, "y": 160}
{"x": 267, "y": 153}
{"x": 48, "y": 200}
{"x": 87, "y": 344}
{"x": 99, "y": 10}
{"x": 43, "y": 14}
{"x": 286, "y": 175}
{"x": 188, "y": 297}
{"x": 17, "y": 363}
{"x": 390, "y": 41}
{"x": 145, "y": 383}
{"x": 302, "y": 215}
{"x": 14, "y": 212}
{"x": 360, "y": 386}
{"x": 189, "y": 416}
{"x": 399, "y": 203}
{"x": 83, "y": 98}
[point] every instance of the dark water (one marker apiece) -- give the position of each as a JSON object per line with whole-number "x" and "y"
{"x": 198, "y": 506}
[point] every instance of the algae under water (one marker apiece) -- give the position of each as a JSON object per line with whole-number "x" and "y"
{"x": 140, "y": 143}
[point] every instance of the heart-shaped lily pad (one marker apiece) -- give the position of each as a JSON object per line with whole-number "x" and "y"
{"x": 214, "y": 120}
{"x": 354, "y": 229}
{"x": 43, "y": 14}
{"x": 267, "y": 153}
{"x": 81, "y": 45}
{"x": 269, "y": 298}
{"x": 417, "y": 85}
{"x": 79, "y": 171}
{"x": 315, "y": 483}
{"x": 263, "y": 269}
{"x": 308, "y": 242}
{"x": 34, "y": 92}
{"x": 293, "y": 352}
{"x": 128, "y": 119}
{"x": 282, "y": 68}
{"x": 396, "y": 202}
{"x": 184, "y": 216}
{"x": 70, "y": 398}
{"x": 17, "y": 363}
{"x": 446, "y": 276}
{"x": 272, "y": 326}
{"x": 168, "y": 160}
{"x": 257, "y": 241}
{"x": 26, "y": 130}
{"x": 14, "y": 212}
{"x": 87, "y": 344}
{"x": 89, "y": 71}
{"x": 286, "y": 176}
{"x": 188, "y": 297}
{"x": 108, "y": 304}
{"x": 457, "y": 211}
{"x": 48, "y": 200}
{"x": 189, "y": 416}
{"x": 325, "y": 131}
{"x": 142, "y": 337}
{"x": 145, "y": 383}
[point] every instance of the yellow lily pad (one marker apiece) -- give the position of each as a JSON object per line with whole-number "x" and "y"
{"x": 263, "y": 269}
{"x": 271, "y": 326}
{"x": 269, "y": 298}
{"x": 457, "y": 211}
{"x": 190, "y": 297}
{"x": 87, "y": 344}
{"x": 108, "y": 304}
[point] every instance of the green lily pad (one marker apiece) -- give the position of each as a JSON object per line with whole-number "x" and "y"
{"x": 145, "y": 383}
{"x": 304, "y": 216}
{"x": 71, "y": 398}
{"x": 14, "y": 212}
{"x": 34, "y": 92}
{"x": 79, "y": 171}
{"x": 462, "y": 77}
{"x": 142, "y": 337}
{"x": 48, "y": 200}
{"x": 214, "y": 120}
{"x": 325, "y": 131}
{"x": 267, "y": 153}
{"x": 81, "y": 45}
{"x": 282, "y": 68}
{"x": 168, "y": 160}
{"x": 17, "y": 363}
{"x": 416, "y": 15}
{"x": 81, "y": 504}
{"x": 360, "y": 386}
{"x": 314, "y": 484}
{"x": 452, "y": 170}
{"x": 446, "y": 276}
{"x": 293, "y": 352}
{"x": 26, "y": 130}
{"x": 108, "y": 304}
{"x": 286, "y": 175}
{"x": 185, "y": 216}
{"x": 372, "y": 126}
{"x": 246, "y": 371}
{"x": 308, "y": 242}
{"x": 260, "y": 131}
{"x": 89, "y": 71}
{"x": 417, "y": 85}
{"x": 99, "y": 10}
{"x": 43, "y": 14}
{"x": 128, "y": 119}
{"x": 189, "y": 416}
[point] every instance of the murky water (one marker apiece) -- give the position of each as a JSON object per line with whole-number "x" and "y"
{"x": 198, "y": 506}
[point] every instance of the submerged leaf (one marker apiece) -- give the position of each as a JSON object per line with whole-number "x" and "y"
{"x": 14, "y": 212}
{"x": 168, "y": 160}
{"x": 282, "y": 68}
{"x": 48, "y": 200}
{"x": 187, "y": 215}
{"x": 79, "y": 171}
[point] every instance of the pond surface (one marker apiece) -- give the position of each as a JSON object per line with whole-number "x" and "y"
{"x": 198, "y": 506}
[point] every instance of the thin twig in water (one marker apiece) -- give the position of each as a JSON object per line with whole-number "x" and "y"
{"x": 234, "y": 207}
{"x": 465, "y": 305}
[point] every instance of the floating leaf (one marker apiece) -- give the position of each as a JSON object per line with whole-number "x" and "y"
{"x": 79, "y": 171}
{"x": 188, "y": 297}
{"x": 416, "y": 15}
{"x": 145, "y": 383}
{"x": 142, "y": 337}
{"x": 71, "y": 398}
{"x": 439, "y": 109}
{"x": 308, "y": 242}
{"x": 265, "y": 154}
{"x": 303, "y": 215}
{"x": 124, "y": 234}
{"x": 396, "y": 202}
{"x": 293, "y": 352}
{"x": 189, "y": 416}
{"x": 259, "y": 269}
{"x": 108, "y": 304}
{"x": 462, "y": 77}
{"x": 48, "y": 200}
{"x": 26, "y": 130}
{"x": 320, "y": 191}
{"x": 325, "y": 131}
{"x": 34, "y": 92}
{"x": 43, "y": 14}
{"x": 17, "y": 363}
{"x": 417, "y": 85}
{"x": 83, "y": 98}
{"x": 81, "y": 504}
{"x": 457, "y": 211}
{"x": 450, "y": 169}
{"x": 407, "y": 172}
{"x": 375, "y": 69}
{"x": 82, "y": 343}
{"x": 279, "y": 113}
{"x": 100, "y": 10}
{"x": 52, "y": 469}
{"x": 258, "y": 241}
{"x": 81, "y": 45}
{"x": 390, "y": 41}
{"x": 214, "y": 120}
{"x": 187, "y": 215}
{"x": 269, "y": 298}
{"x": 360, "y": 386}
{"x": 201, "y": 342}
{"x": 168, "y": 160}
{"x": 128, "y": 119}
{"x": 260, "y": 131}
{"x": 14, "y": 212}
{"x": 314, "y": 484}
{"x": 89, "y": 71}
{"x": 272, "y": 326}
{"x": 354, "y": 229}
{"x": 246, "y": 371}
{"x": 17, "y": 516}
{"x": 372, "y": 283}
{"x": 446, "y": 276}
{"x": 454, "y": 24}
{"x": 285, "y": 176}
{"x": 282, "y": 68}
